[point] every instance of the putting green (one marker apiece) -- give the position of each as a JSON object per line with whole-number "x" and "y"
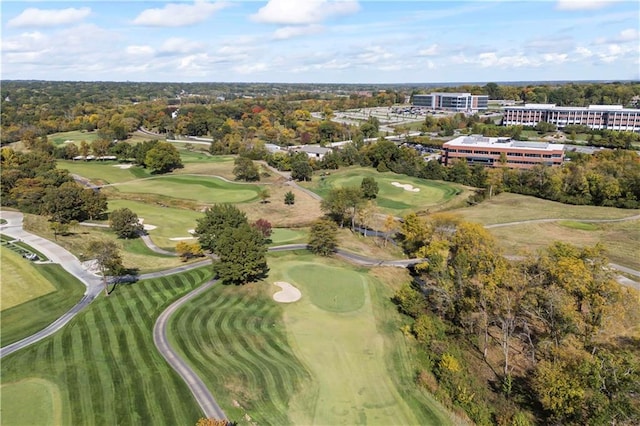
{"x": 198, "y": 188}
{"x": 31, "y": 402}
{"x": 341, "y": 346}
{"x": 281, "y": 236}
{"x": 330, "y": 289}
{"x": 21, "y": 281}
{"x": 390, "y": 197}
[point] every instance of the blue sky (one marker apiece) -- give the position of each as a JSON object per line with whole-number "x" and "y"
{"x": 323, "y": 41}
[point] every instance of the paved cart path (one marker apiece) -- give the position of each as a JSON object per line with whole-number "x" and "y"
{"x": 203, "y": 396}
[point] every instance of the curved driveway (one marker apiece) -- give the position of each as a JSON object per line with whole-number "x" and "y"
{"x": 56, "y": 254}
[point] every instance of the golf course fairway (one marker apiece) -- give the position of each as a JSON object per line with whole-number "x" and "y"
{"x": 336, "y": 356}
{"x": 333, "y": 331}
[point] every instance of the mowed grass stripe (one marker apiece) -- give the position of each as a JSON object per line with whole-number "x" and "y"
{"x": 96, "y": 347}
{"x": 106, "y": 364}
{"x": 235, "y": 342}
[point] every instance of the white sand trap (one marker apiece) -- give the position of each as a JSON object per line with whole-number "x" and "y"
{"x": 405, "y": 186}
{"x": 288, "y": 294}
{"x": 123, "y": 166}
{"x": 182, "y": 238}
{"x": 146, "y": 226}
{"x": 192, "y": 231}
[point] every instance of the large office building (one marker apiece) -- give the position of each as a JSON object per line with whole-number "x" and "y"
{"x": 597, "y": 117}
{"x": 502, "y": 152}
{"x": 462, "y": 102}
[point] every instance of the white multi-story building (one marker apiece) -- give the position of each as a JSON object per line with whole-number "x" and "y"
{"x": 597, "y": 117}
{"x": 463, "y": 102}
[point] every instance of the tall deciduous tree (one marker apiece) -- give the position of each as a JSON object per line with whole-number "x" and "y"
{"x": 301, "y": 170}
{"x": 108, "y": 260}
{"x": 323, "y": 238}
{"x": 245, "y": 169}
{"x": 125, "y": 223}
{"x": 369, "y": 188}
{"x": 216, "y": 219}
{"x": 242, "y": 255}
{"x": 162, "y": 158}
{"x": 65, "y": 203}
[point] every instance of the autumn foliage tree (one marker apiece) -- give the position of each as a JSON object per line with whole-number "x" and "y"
{"x": 186, "y": 250}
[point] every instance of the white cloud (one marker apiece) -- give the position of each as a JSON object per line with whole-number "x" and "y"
{"x": 250, "y": 68}
{"x": 296, "y": 31}
{"x": 374, "y": 54}
{"x": 297, "y": 12}
{"x": 584, "y": 52}
{"x": 582, "y": 4}
{"x": 33, "y": 17}
{"x": 556, "y": 58}
{"x": 432, "y": 50}
{"x": 139, "y": 50}
{"x": 180, "y": 45}
{"x": 493, "y": 60}
{"x": 178, "y": 15}
{"x": 334, "y": 64}
{"x": 630, "y": 34}
{"x": 25, "y": 41}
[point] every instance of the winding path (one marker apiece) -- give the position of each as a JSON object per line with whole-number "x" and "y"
{"x": 199, "y": 390}
{"x": 56, "y": 254}
{"x": 203, "y": 396}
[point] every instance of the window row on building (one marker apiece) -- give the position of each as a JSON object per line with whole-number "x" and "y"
{"x": 463, "y": 102}
{"x": 597, "y": 117}
{"x": 502, "y": 152}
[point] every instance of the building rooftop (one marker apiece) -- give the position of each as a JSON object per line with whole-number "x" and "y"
{"x": 569, "y": 108}
{"x": 487, "y": 142}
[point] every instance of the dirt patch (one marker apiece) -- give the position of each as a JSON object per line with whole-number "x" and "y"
{"x": 288, "y": 294}
{"x": 406, "y": 186}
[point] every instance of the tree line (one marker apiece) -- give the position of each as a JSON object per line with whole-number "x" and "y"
{"x": 529, "y": 341}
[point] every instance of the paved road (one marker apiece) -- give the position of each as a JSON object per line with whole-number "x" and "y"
{"x": 56, "y": 254}
{"x": 199, "y": 390}
{"x": 203, "y": 396}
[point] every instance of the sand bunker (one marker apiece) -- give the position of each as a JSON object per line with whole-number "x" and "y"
{"x": 182, "y": 238}
{"x": 288, "y": 294}
{"x": 123, "y": 166}
{"x": 146, "y": 226}
{"x": 405, "y": 186}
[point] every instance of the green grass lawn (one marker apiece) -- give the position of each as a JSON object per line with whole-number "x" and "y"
{"x": 507, "y": 207}
{"x": 620, "y": 239}
{"x": 102, "y": 173}
{"x": 281, "y": 236}
{"x": 34, "y": 313}
{"x": 75, "y": 136}
{"x": 31, "y": 402}
{"x": 170, "y": 222}
{"x": 203, "y": 189}
{"x": 105, "y": 364}
{"x": 21, "y": 280}
{"x": 337, "y": 356}
{"x": 391, "y": 199}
